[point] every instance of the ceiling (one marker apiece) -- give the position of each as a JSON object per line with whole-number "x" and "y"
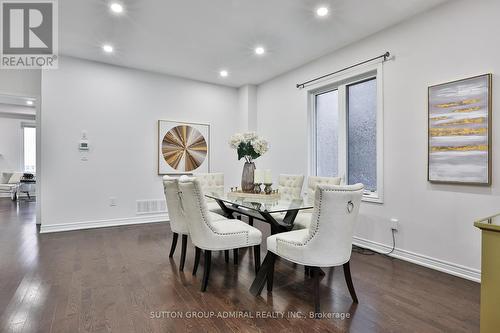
{"x": 198, "y": 38}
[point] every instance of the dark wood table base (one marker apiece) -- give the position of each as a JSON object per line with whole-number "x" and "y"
{"x": 276, "y": 227}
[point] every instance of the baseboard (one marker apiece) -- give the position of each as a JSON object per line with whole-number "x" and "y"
{"x": 8, "y": 195}
{"x": 103, "y": 223}
{"x": 422, "y": 260}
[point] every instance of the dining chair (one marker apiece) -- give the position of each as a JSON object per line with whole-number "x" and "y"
{"x": 212, "y": 183}
{"x": 290, "y": 186}
{"x": 178, "y": 223}
{"x": 303, "y": 219}
{"x": 213, "y": 232}
{"x": 314, "y": 181}
{"x": 327, "y": 243}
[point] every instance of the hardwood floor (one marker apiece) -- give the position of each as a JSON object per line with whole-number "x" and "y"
{"x": 116, "y": 279}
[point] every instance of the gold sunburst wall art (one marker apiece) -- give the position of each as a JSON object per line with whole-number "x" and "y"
{"x": 183, "y": 148}
{"x": 459, "y": 134}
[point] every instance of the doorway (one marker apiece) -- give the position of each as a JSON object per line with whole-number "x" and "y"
{"x": 18, "y": 155}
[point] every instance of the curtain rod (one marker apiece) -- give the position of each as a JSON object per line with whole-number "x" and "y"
{"x": 302, "y": 85}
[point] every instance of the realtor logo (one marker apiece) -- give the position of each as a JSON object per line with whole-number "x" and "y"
{"x": 28, "y": 34}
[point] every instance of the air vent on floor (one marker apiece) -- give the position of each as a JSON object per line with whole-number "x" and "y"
{"x": 151, "y": 206}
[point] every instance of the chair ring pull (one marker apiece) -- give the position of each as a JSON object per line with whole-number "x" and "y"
{"x": 179, "y": 194}
{"x": 350, "y": 206}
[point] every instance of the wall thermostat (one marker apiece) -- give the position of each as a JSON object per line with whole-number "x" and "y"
{"x": 84, "y": 143}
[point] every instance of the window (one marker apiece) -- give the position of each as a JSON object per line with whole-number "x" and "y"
{"x": 347, "y": 138}
{"x": 327, "y": 140}
{"x": 362, "y": 134}
{"x": 29, "y": 148}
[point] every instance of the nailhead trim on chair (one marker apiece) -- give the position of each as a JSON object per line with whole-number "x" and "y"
{"x": 311, "y": 236}
{"x": 198, "y": 196}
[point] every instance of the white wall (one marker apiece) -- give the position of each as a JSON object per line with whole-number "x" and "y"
{"x": 10, "y": 143}
{"x": 119, "y": 108}
{"x": 454, "y": 41}
{"x": 247, "y": 100}
{"x": 20, "y": 82}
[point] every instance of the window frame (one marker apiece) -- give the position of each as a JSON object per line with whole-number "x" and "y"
{"x": 341, "y": 83}
{"x": 23, "y": 126}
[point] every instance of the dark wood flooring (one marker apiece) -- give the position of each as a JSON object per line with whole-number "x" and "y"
{"x": 111, "y": 280}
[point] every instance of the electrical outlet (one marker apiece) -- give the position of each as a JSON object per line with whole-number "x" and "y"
{"x": 112, "y": 201}
{"x": 394, "y": 223}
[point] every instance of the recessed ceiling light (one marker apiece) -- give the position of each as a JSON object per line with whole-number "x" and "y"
{"x": 223, "y": 73}
{"x": 322, "y": 11}
{"x": 107, "y": 48}
{"x": 29, "y": 102}
{"x": 116, "y": 7}
{"x": 259, "y": 50}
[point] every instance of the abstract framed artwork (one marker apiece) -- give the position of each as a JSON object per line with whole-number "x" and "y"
{"x": 183, "y": 148}
{"x": 459, "y": 131}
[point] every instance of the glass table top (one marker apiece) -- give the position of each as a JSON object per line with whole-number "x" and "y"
{"x": 268, "y": 205}
{"x": 490, "y": 222}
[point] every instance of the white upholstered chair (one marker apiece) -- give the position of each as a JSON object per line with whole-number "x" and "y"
{"x": 178, "y": 223}
{"x": 327, "y": 243}
{"x": 212, "y": 183}
{"x": 313, "y": 181}
{"x": 212, "y": 232}
{"x": 303, "y": 219}
{"x": 290, "y": 186}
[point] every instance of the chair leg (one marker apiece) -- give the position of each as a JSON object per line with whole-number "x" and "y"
{"x": 256, "y": 257}
{"x": 270, "y": 273}
{"x": 348, "y": 280}
{"x": 226, "y": 256}
{"x": 174, "y": 244}
{"x": 196, "y": 259}
{"x": 206, "y": 270}
{"x": 315, "y": 273}
{"x": 183, "y": 252}
{"x": 235, "y": 256}
{"x": 250, "y": 220}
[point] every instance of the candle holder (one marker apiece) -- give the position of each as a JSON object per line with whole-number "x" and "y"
{"x": 268, "y": 189}
{"x": 256, "y": 188}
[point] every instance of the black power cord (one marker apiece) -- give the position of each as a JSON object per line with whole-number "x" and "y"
{"x": 367, "y": 252}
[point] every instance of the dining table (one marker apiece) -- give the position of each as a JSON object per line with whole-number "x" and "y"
{"x": 279, "y": 213}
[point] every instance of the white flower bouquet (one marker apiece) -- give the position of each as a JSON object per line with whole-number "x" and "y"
{"x": 249, "y": 145}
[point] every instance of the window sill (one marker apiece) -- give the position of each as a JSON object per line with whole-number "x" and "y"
{"x": 372, "y": 197}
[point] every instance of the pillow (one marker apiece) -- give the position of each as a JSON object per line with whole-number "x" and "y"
{"x": 4, "y": 177}
{"x": 15, "y": 178}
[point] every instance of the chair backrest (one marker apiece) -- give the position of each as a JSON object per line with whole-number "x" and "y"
{"x": 198, "y": 218}
{"x": 175, "y": 212}
{"x": 313, "y": 181}
{"x": 335, "y": 213}
{"x": 290, "y": 186}
{"x": 211, "y": 182}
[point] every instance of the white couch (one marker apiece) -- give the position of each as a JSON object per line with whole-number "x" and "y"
{"x": 9, "y": 183}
